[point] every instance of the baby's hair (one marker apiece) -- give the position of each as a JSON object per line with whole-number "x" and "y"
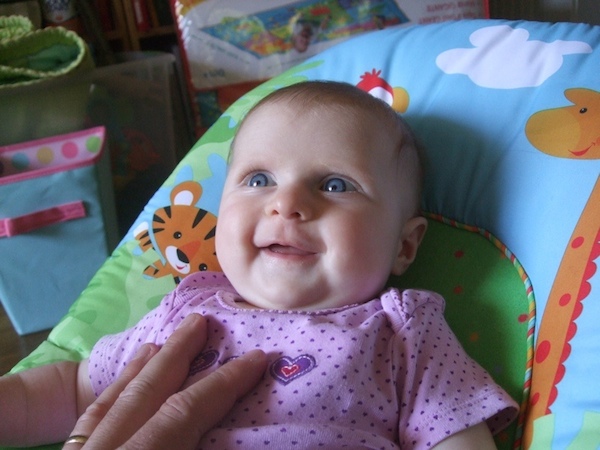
{"x": 350, "y": 101}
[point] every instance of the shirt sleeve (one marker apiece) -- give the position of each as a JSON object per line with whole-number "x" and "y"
{"x": 441, "y": 389}
{"x": 111, "y": 353}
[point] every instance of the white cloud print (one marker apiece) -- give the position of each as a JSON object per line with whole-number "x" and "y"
{"x": 505, "y": 58}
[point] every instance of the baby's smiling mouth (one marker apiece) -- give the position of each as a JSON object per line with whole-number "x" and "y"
{"x": 288, "y": 250}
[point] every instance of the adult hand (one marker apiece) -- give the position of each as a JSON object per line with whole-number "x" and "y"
{"x": 143, "y": 408}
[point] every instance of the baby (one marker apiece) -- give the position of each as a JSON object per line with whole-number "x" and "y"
{"x": 320, "y": 206}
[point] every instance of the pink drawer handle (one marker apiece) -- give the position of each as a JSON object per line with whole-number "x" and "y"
{"x": 33, "y": 221}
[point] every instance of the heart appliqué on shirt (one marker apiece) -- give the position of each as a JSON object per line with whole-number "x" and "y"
{"x": 286, "y": 369}
{"x": 203, "y": 361}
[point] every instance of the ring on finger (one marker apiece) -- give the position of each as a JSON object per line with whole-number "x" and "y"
{"x": 76, "y": 439}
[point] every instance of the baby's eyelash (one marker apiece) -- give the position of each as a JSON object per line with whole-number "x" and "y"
{"x": 259, "y": 179}
{"x": 335, "y": 184}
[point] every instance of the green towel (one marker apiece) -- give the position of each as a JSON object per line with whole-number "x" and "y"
{"x": 14, "y": 26}
{"x": 28, "y": 56}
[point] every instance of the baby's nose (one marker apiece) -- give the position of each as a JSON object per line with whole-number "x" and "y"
{"x": 291, "y": 203}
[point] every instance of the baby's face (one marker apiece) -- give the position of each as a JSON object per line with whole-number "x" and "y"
{"x": 311, "y": 215}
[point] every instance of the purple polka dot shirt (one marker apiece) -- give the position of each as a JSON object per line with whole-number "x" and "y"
{"x": 385, "y": 374}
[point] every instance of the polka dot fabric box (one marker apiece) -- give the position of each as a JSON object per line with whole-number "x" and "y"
{"x": 57, "y": 224}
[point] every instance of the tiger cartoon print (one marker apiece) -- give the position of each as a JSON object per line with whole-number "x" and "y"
{"x": 184, "y": 235}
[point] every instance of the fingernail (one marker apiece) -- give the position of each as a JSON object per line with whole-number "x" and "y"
{"x": 144, "y": 352}
{"x": 254, "y": 355}
{"x": 189, "y": 320}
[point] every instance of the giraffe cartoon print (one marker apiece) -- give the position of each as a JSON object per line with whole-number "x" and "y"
{"x": 570, "y": 131}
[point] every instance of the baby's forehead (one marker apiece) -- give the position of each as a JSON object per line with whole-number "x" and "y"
{"x": 336, "y": 116}
{"x": 339, "y": 122}
{"x": 334, "y": 111}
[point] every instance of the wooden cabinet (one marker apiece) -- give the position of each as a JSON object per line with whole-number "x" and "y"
{"x": 127, "y": 24}
{"x": 119, "y": 32}
{"x": 145, "y": 20}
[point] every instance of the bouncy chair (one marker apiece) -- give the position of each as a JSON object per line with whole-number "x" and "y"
{"x": 509, "y": 113}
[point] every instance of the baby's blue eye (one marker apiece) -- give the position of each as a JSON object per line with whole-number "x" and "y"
{"x": 337, "y": 185}
{"x": 259, "y": 180}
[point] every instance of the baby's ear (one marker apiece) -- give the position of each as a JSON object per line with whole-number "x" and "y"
{"x": 412, "y": 235}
